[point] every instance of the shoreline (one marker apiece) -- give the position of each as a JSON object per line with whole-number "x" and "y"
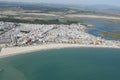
{"x": 12, "y": 51}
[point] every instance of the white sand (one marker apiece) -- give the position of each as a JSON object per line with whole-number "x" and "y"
{"x": 5, "y": 52}
{"x": 92, "y": 16}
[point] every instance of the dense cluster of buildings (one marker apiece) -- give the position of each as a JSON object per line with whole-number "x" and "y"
{"x": 13, "y": 34}
{"x": 5, "y": 30}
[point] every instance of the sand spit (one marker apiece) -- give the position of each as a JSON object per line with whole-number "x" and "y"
{"x": 92, "y": 16}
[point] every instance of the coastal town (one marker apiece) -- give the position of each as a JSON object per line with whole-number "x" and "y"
{"x": 59, "y": 40}
{"x": 19, "y": 34}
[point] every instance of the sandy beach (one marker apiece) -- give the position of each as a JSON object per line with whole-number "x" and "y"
{"x": 6, "y": 52}
{"x": 92, "y": 16}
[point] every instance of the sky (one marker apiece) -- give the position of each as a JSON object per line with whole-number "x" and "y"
{"x": 85, "y": 2}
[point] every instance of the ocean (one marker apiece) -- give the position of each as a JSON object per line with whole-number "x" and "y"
{"x": 63, "y": 64}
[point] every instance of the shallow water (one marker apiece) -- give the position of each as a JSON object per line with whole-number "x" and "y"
{"x": 102, "y": 25}
{"x": 63, "y": 64}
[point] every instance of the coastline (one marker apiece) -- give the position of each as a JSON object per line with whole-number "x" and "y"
{"x": 6, "y": 52}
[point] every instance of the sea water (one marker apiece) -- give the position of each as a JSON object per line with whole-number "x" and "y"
{"x": 63, "y": 64}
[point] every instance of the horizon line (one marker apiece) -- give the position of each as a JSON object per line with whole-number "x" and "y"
{"x": 26, "y": 2}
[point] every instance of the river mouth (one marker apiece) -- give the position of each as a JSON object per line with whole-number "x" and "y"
{"x": 105, "y": 28}
{"x": 63, "y": 64}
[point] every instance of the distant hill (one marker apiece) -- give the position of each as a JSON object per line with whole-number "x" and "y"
{"x": 78, "y": 8}
{"x": 22, "y": 5}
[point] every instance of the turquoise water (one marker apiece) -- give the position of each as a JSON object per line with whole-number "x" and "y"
{"x": 63, "y": 64}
